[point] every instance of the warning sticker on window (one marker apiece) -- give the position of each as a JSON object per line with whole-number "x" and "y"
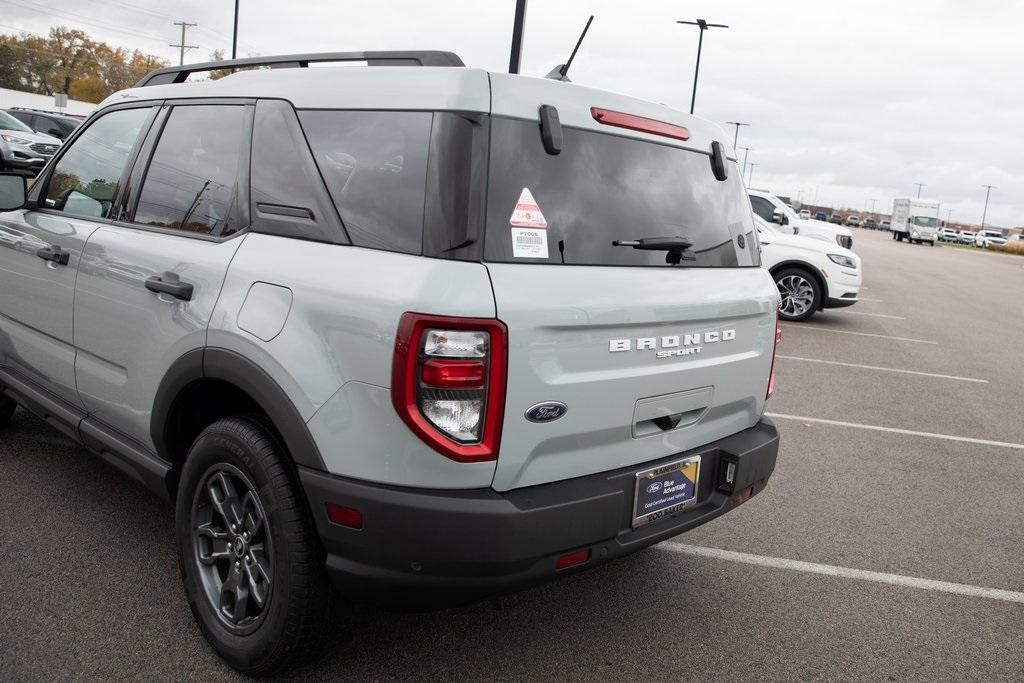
{"x": 527, "y": 213}
{"x": 529, "y": 231}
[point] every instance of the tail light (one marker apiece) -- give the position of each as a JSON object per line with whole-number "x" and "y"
{"x": 775, "y": 349}
{"x": 448, "y": 383}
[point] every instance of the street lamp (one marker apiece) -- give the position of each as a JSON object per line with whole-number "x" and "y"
{"x": 736, "y": 135}
{"x": 949, "y": 213}
{"x": 984, "y": 214}
{"x": 746, "y": 151}
{"x": 704, "y": 26}
{"x": 919, "y": 186}
{"x": 750, "y": 178}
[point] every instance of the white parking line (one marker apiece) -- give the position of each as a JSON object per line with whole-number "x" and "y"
{"x": 894, "y": 430}
{"x": 846, "y": 572}
{"x": 875, "y": 367}
{"x": 875, "y": 315}
{"x": 859, "y": 334}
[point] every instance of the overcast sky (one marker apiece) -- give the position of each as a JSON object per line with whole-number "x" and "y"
{"x": 847, "y": 102}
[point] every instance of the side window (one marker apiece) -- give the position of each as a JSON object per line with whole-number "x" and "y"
{"x": 85, "y": 180}
{"x": 762, "y": 207}
{"x": 375, "y": 166}
{"x": 192, "y": 180}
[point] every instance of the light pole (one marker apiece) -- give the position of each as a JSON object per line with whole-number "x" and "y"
{"x": 919, "y": 186}
{"x": 736, "y": 135}
{"x": 949, "y": 212}
{"x": 703, "y": 25}
{"x": 234, "y": 35}
{"x": 872, "y": 206}
{"x": 750, "y": 178}
{"x": 984, "y": 214}
{"x": 746, "y": 151}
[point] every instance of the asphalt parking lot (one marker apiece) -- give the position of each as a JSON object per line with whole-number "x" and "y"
{"x": 888, "y": 545}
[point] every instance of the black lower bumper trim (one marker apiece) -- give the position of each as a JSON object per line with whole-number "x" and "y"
{"x": 422, "y": 548}
{"x": 839, "y": 303}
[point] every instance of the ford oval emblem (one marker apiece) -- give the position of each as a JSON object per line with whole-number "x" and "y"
{"x": 546, "y": 411}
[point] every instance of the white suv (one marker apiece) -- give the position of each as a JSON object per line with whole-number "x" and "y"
{"x": 989, "y": 238}
{"x": 811, "y": 274}
{"x": 771, "y": 209}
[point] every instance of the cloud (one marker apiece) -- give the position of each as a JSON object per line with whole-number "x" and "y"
{"x": 854, "y": 101}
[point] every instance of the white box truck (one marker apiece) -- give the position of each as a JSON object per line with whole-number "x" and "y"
{"x": 915, "y": 220}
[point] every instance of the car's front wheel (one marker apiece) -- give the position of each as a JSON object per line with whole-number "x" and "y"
{"x": 250, "y": 559}
{"x": 7, "y": 407}
{"x": 800, "y": 292}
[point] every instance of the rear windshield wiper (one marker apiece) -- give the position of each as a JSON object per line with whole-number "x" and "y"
{"x": 675, "y": 246}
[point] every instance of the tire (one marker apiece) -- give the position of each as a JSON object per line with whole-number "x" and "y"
{"x": 236, "y": 466}
{"x": 7, "y": 408}
{"x": 800, "y": 292}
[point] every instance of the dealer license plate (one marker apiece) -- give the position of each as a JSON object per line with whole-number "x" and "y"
{"x": 664, "y": 490}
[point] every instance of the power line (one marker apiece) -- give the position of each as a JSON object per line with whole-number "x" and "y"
{"x": 184, "y": 27}
{"x": 84, "y": 20}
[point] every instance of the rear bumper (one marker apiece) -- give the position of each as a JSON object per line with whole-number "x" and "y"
{"x": 429, "y": 548}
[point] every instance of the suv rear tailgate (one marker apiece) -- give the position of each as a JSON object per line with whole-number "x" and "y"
{"x": 561, "y": 325}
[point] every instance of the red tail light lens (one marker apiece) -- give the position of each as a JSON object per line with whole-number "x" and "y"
{"x": 639, "y": 123}
{"x": 775, "y": 349}
{"x": 448, "y": 383}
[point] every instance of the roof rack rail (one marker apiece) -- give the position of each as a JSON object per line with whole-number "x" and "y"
{"x": 178, "y": 74}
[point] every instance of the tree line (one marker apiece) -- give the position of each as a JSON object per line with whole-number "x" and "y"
{"x": 69, "y": 61}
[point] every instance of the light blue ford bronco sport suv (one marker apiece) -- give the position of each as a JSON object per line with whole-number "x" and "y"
{"x": 420, "y": 334}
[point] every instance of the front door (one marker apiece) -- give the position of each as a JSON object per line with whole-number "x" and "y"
{"x": 155, "y": 278}
{"x": 41, "y": 250}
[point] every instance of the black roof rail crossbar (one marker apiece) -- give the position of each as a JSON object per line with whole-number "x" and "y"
{"x": 178, "y": 74}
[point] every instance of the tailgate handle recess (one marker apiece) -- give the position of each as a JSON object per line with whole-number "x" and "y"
{"x": 659, "y": 414}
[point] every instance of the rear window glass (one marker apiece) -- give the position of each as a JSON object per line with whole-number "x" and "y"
{"x": 602, "y": 188}
{"x": 375, "y": 167}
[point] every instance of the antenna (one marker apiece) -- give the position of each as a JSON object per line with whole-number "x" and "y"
{"x": 560, "y": 71}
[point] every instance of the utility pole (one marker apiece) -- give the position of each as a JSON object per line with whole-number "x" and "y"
{"x": 736, "y": 135}
{"x": 872, "y": 206}
{"x": 984, "y": 214}
{"x": 704, "y": 26}
{"x": 746, "y": 151}
{"x": 184, "y": 27}
{"x": 517, "y": 37}
{"x": 750, "y": 178}
{"x": 234, "y": 35}
{"x": 919, "y": 186}
{"x": 949, "y": 213}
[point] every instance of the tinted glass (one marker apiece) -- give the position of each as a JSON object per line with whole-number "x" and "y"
{"x": 8, "y": 122}
{"x": 375, "y": 166}
{"x": 192, "y": 180}
{"x": 602, "y": 188}
{"x": 86, "y": 177}
{"x": 762, "y": 207}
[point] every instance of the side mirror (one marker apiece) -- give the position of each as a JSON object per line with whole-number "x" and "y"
{"x": 780, "y": 218}
{"x": 13, "y": 192}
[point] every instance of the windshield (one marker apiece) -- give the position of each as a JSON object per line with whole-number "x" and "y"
{"x": 925, "y": 221}
{"x": 8, "y": 122}
{"x": 569, "y": 208}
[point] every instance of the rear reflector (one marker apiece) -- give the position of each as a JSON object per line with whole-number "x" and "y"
{"x": 350, "y": 517}
{"x": 639, "y": 123}
{"x": 746, "y": 493}
{"x": 572, "y": 559}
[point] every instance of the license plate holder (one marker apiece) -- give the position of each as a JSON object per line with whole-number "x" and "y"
{"x": 664, "y": 490}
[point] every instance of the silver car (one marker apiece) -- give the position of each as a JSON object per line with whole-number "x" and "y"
{"x": 419, "y": 335}
{"x": 22, "y": 149}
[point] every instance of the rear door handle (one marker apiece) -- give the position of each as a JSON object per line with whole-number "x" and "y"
{"x": 55, "y": 254}
{"x": 179, "y": 290}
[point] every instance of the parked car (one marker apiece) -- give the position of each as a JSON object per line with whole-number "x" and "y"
{"x": 870, "y": 224}
{"x": 967, "y": 237}
{"x": 811, "y": 274}
{"x": 885, "y": 224}
{"x": 836, "y": 219}
{"x": 948, "y": 235}
{"x": 805, "y": 214}
{"x": 45, "y": 122}
{"x": 821, "y": 216}
{"x": 253, "y": 329}
{"x": 988, "y": 238}
{"x": 773, "y": 210}
{"x": 22, "y": 149}
{"x": 853, "y": 221}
